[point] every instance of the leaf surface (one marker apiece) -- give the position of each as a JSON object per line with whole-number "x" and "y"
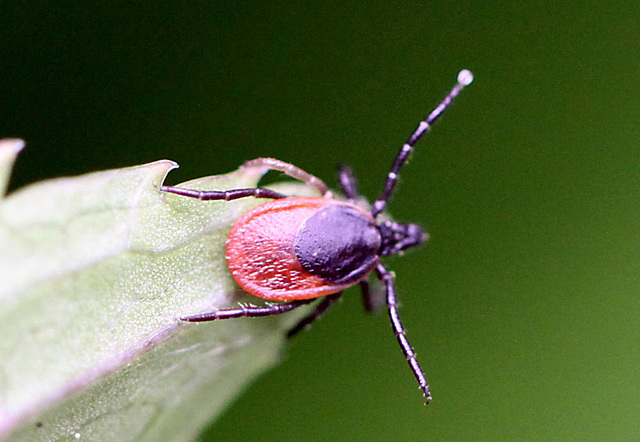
{"x": 95, "y": 271}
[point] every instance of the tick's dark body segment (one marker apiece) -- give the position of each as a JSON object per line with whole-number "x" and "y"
{"x": 296, "y": 249}
{"x": 339, "y": 243}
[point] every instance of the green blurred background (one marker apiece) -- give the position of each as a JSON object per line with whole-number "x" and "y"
{"x": 523, "y": 306}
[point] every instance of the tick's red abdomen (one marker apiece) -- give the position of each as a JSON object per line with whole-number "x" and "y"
{"x": 260, "y": 251}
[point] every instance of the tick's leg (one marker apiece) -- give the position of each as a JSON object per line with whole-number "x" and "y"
{"x": 292, "y": 171}
{"x": 348, "y": 182}
{"x": 399, "y": 331}
{"x": 367, "y": 302}
{"x": 464, "y": 79}
{"x": 247, "y": 312}
{"x": 269, "y": 163}
{"x": 226, "y": 195}
{"x": 372, "y": 298}
{"x": 319, "y": 311}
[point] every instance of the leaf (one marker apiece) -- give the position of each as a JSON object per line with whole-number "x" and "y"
{"x": 95, "y": 271}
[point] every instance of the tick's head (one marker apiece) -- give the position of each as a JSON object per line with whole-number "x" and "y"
{"x": 398, "y": 237}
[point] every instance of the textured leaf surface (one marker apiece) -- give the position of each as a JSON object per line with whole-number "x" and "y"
{"x": 95, "y": 271}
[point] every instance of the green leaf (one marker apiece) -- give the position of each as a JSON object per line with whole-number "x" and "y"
{"x": 94, "y": 271}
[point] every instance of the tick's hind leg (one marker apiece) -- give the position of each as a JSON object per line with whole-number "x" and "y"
{"x": 247, "y": 311}
{"x": 258, "y": 192}
{"x": 315, "y": 314}
{"x": 292, "y": 171}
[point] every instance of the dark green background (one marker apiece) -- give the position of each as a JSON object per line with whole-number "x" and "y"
{"x": 524, "y": 305}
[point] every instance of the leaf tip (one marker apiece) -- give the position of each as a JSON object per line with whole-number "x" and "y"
{"x": 9, "y": 150}
{"x": 11, "y": 146}
{"x": 163, "y": 167}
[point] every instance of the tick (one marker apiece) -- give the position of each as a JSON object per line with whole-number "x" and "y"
{"x": 295, "y": 249}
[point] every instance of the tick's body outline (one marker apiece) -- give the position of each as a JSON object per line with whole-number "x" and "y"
{"x": 323, "y": 246}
